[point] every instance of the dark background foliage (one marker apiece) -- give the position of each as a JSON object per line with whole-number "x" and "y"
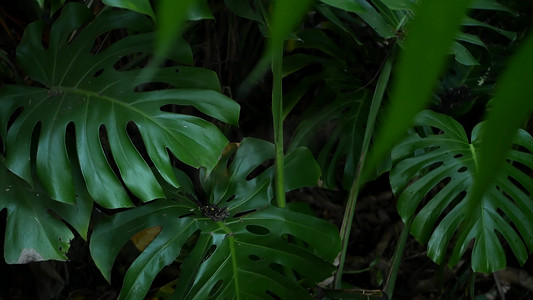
{"x": 231, "y": 46}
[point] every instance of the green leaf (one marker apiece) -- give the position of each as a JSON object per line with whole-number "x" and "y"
{"x": 32, "y": 232}
{"x": 376, "y": 20}
{"x": 87, "y": 91}
{"x": 343, "y": 122}
{"x": 348, "y": 5}
{"x": 237, "y": 189}
{"x": 140, "y": 6}
{"x": 443, "y": 165}
{"x": 55, "y": 5}
{"x": 335, "y": 19}
{"x": 200, "y": 11}
{"x": 259, "y": 254}
{"x": 247, "y": 242}
{"x": 170, "y": 16}
{"x": 462, "y": 55}
{"x": 492, "y": 5}
{"x": 317, "y": 39}
{"x": 436, "y": 24}
{"x": 175, "y": 230}
{"x": 473, "y": 22}
{"x": 399, "y": 4}
{"x": 78, "y": 215}
{"x": 285, "y": 16}
{"x": 510, "y": 107}
{"x": 296, "y": 161}
{"x": 336, "y": 110}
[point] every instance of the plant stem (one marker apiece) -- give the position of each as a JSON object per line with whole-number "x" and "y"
{"x": 357, "y": 183}
{"x": 397, "y": 259}
{"x": 277, "y": 115}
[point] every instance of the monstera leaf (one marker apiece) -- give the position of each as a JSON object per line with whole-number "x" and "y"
{"x": 442, "y": 163}
{"x": 342, "y": 121}
{"x": 243, "y": 246}
{"x": 33, "y": 233}
{"x": 333, "y": 126}
{"x": 389, "y": 17}
{"x": 88, "y": 89}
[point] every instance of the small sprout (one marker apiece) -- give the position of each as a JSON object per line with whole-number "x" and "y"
{"x": 214, "y": 212}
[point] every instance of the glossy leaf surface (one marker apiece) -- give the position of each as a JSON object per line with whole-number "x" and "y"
{"x": 259, "y": 254}
{"x": 511, "y": 106}
{"x": 250, "y": 241}
{"x": 33, "y": 233}
{"x": 436, "y": 24}
{"x": 443, "y": 165}
{"x": 86, "y": 85}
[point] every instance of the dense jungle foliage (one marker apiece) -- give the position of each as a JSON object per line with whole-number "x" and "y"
{"x": 255, "y": 149}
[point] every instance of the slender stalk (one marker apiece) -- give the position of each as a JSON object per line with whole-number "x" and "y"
{"x": 357, "y": 183}
{"x": 277, "y": 115}
{"x": 397, "y": 259}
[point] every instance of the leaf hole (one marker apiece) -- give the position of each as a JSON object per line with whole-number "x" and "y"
{"x": 519, "y": 185}
{"x": 136, "y": 138}
{"x": 214, "y": 290}
{"x": 230, "y": 198}
{"x": 272, "y": 295}
{"x": 210, "y": 252}
{"x": 260, "y": 169}
{"x": 106, "y": 147}
{"x": 151, "y": 86}
{"x": 231, "y": 157}
{"x": 14, "y": 116}
{"x": 431, "y": 167}
{"x": 254, "y": 257}
{"x": 189, "y": 244}
{"x": 433, "y": 192}
{"x": 98, "y": 73}
{"x": 130, "y": 62}
{"x": 526, "y": 169}
{"x": 462, "y": 169}
{"x": 435, "y": 165}
{"x": 457, "y": 199}
{"x": 459, "y": 155}
{"x": 277, "y": 268}
{"x": 191, "y": 214}
{"x": 240, "y": 214}
{"x": 35, "y": 137}
{"x": 436, "y": 131}
{"x": 256, "y": 229}
{"x": 106, "y": 39}
{"x": 427, "y": 131}
{"x": 294, "y": 240}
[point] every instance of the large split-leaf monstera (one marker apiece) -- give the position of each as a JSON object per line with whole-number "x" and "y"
{"x": 245, "y": 248}
{"x": 443, "y": 162}
{"x": 84, "y": 90}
